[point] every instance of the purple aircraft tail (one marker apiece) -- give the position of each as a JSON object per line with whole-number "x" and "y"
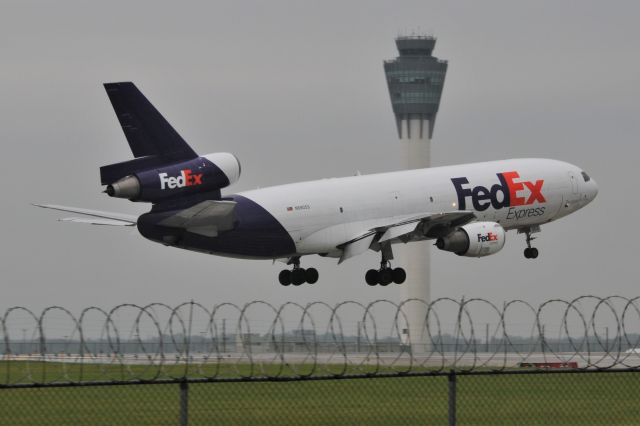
{"x": 152, "y": 140}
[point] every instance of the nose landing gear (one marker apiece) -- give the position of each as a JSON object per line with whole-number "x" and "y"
{"x": 298, "y": 275}
{"x": 530, "y": 252}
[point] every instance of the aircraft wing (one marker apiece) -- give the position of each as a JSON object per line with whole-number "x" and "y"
{"x": 405, "y": 229}
{"x": 96, "y": 217}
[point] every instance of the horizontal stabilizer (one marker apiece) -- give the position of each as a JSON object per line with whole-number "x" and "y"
{"x": 90, "y": 221}
{"x": 146, "y": 130}
{"x": 111, "y": 218}
{"x": 207, "y": 218}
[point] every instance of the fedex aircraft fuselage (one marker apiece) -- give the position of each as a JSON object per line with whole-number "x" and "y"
{"x": 466, "y": 209}
{"x": 317, "y": 217}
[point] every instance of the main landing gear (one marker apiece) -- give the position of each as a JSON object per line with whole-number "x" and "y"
{"x": 385, "y": 275}
{"x": 298, "y": 275}
{"x": 530, "y": 252}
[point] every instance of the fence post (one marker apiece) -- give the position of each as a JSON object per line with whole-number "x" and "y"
{"x": 184, "y": 403}
{"x": 452, "y": 398}
{"x": 224, "y": 335}
{"x": 486, "y": 337}
{"x": 188, "y": 348}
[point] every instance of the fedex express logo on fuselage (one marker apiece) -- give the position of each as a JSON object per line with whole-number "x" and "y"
{"x": 185, "y": 178}
{"x": 510, "y": 192}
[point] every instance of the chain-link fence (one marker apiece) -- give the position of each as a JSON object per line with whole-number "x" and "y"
{"x": 597, "y": 397}
{"x": 466, "y": 362}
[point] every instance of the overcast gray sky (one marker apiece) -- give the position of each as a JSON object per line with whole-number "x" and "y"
{"x": 296, "y": 90}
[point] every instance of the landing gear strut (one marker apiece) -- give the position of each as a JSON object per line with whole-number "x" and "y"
{"x": 298, "y": 275}
{"x": 385, "y": 275}
{"x": 530, "y": 252}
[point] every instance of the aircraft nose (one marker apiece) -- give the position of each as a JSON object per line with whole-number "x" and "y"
{"x": 593, "y": 190}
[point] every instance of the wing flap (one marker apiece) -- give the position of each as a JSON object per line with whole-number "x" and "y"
{"x": 398, "y": 231}
{"x": 406, "y": 228}
{"x": 422, "y": 224}
{"x": 456, "y": 218}
{"x": 356, "y": 247}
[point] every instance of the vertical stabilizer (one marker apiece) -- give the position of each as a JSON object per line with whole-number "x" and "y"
{"x": 146, "y": 130}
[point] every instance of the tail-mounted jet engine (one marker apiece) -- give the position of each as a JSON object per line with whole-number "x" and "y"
{"x": 159, "y": 182}
{"x": 476, "y": 239}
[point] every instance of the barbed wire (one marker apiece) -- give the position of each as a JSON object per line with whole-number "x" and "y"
{"x": 258, "y": 339}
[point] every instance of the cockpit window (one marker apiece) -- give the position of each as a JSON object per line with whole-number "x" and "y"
{"x": 586, "y": 177}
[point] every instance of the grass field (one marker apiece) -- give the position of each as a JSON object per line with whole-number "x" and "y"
{"x": 549, "y": 399}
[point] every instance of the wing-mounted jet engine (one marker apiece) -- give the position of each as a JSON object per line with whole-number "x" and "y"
{"x": 475, "y": 239}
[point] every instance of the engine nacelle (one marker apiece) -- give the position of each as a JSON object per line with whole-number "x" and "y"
{"x": 203, "y": 174}
{"x": 476, "y": 239}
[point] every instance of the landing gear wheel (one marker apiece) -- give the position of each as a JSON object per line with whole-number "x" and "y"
{"x": 531, "y": 252}
{"x": 399, "y": 275}
{"x": 386, "y": 274}
{"x": 311, "y": 275}
{"x": 371, "y": 277}
{"x": 386, "y": 277}
{"x": 297, "y": 276}
{"x": 285, "y": 277}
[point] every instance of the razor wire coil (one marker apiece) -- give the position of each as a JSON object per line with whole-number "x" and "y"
{"x": 259, "y": 339}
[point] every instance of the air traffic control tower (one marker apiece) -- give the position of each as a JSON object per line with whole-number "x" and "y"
{"x": 415, "y": 80}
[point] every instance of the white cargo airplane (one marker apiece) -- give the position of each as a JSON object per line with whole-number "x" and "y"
{"x": 465, "y": 208}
